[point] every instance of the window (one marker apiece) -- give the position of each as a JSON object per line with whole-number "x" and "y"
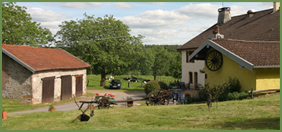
{"x": 191, "y": 77}
{"x": 188, "y": 53}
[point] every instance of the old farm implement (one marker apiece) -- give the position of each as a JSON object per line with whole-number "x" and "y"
{"x": 156, "y": 97}
{"x": 102, "y": 101}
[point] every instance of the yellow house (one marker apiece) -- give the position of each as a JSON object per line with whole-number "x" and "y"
{"x": 256, "y": 64}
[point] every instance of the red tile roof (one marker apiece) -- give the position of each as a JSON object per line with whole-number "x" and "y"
{"x": 41, "y": 59}
{"x": 259, "y": 53}
{"x": 262, "y": 26}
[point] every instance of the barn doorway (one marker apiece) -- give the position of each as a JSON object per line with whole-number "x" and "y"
{"x": 66, "y": 87}
{"x": 78, "y": 85}
{"x": 48, "y": 85}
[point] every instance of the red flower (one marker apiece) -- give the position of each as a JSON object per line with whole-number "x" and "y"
{"x": 112, "y": 95}
{"x": 97, "y": 94}
{"x": 105, "y": 94}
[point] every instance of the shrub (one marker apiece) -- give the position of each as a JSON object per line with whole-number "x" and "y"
{"x": 234, "y": 85}
{"x": 163, "y": 85}
{"x": 223, "y": 91}
{"x": 172, "y": 83}
{"x": 203, "y": 94}
{"x": 238, "y": 96}
{"x": 150, "y": 86}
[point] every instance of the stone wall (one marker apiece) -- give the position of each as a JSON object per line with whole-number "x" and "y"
{"x": 37, "y": 83}
{"x": 16, "y": 80}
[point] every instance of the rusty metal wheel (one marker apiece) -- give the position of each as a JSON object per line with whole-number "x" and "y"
{"x": 103, "y": 102}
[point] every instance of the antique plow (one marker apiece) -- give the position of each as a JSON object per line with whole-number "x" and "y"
{"x": 83, "y": 116}
{"x": 102, "y": 101}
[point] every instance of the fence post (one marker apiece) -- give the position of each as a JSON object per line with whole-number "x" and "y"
{"x": 142, "y": 84}
{"x": 252, "y": 93}
{"x": 128, "y": 84}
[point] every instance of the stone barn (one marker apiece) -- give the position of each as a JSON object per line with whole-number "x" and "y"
{"x": 41, "y": 75}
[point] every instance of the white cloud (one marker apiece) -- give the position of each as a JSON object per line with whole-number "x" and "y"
{"x": 203, "y": 10}
{"x": 80, "y": 5}
{"x": 123, "y": 5}
{"x": 40, "y": 15}
{"x": 47, "y": 19}
{"x": 172, "y": 27}
{"x": 155, "y": 19}
{"x": 53, "y": 26}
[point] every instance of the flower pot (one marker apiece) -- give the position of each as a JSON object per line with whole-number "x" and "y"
{"x": 4, "y": 115}
{"x": 129, "y": 103}
{"x": 52, "y": 109}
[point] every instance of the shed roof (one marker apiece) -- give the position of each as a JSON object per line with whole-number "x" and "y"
{"x": 262, "y": 26}
{"x": 42, "y": 59}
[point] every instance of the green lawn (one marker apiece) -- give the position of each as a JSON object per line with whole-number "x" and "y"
{"x": 94, "y": 82}
{"x": 253, "y": 114}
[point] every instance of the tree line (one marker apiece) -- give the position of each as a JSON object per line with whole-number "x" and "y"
{"x": 103, "y": 42}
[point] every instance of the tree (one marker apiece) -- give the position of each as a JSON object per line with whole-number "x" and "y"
{"x": 176, "y": 67}
{"x": 161, "y": 60}
{"x": 18, "y": 27}
{"x": 104, "y": 43}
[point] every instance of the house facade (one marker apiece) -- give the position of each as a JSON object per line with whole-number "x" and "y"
{"x": 256, "y": 64}
{"x": 252, "y": 26}
{"x": 41, "y": 75}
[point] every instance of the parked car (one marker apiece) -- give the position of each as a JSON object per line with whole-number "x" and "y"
{"x": 115, "y": 83}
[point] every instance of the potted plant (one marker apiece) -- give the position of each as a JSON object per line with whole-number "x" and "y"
{"x": 4, "y": 113}
{"x": 51, "y": 108}
{"x": 129, "y": 102}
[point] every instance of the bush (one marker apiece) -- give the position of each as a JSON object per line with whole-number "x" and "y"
{"x": 163, "y": 85}
{"x": 203, "y": 95}
{"x": 223, "y": 91}
{"x": 238, "y": 96}
{"x": 150, "y": 86}
{"x": 234, "y": 85}
{"x": 172, "y": 83}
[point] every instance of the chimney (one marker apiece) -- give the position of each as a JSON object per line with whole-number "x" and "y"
{"x": 276, "y": 6}
{"x": 216, "y": 34}
{"x": 223, "y": 15}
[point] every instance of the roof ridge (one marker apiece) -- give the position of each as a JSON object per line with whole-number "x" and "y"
{"x": 251, "y": 41}
{"x": 270, "y": 9}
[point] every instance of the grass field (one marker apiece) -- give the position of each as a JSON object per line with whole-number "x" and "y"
{"x": 94, "y": 82}
{"x": 253, "y": 114}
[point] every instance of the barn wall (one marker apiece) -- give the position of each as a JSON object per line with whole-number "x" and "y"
{"x": 16, "y": 80}
{"x": 37, "y": 83}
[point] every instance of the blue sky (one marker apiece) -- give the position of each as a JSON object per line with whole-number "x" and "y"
{"x": 160, "y": 23}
